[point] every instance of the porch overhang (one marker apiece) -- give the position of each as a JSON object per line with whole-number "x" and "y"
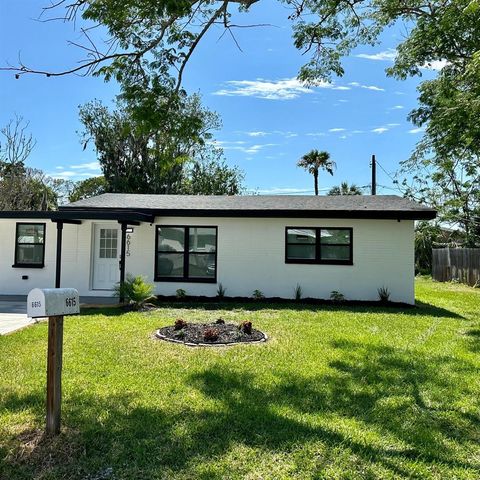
{"x": 71, "y": 215}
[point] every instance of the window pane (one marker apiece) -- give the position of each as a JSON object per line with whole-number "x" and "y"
{"x": 202, "y": 239}
{"x": 335, "y": 236}
{"x": 30, "y": 233}
{"x": 171, "y": 239}
{"x": 301, "y": 235}
{"x": 170, "y": 264}
{"x": 335, "y": 252}
{"x": 201, "y": 265}
{"x": 30, "y": 254}
{"x": 301, "y": 252}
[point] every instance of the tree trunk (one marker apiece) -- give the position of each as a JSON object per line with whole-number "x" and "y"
{"x": 315, "y": 180}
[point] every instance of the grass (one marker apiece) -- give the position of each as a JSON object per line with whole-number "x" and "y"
{"x": 337, "y": 393}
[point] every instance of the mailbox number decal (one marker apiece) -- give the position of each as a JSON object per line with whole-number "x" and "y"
{"x": 71, "y": 302}
{"x": 37, "y": 304}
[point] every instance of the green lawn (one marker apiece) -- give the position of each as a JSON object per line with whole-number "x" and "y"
{"x": 342, "y": 392}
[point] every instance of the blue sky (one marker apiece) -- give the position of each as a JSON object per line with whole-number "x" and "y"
{"x": 269, "y": 119}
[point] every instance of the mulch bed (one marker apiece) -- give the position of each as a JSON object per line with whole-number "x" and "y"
{"x": 193, "y": 334}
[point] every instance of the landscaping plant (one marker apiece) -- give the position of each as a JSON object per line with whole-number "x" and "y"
{"x": 180, "y": 324}
{"x": 336, "y": 296}
{"x": 258, "y": 295}
{"x": 298, "y": 292}
{"x": 135, "y": 290}
{"x": 210, "y": 334}
{"x": 384, "y": 294}
{"x": 221, "y": 291}
{"x": 246, "y": 327}
{"x": 180, "y": 293}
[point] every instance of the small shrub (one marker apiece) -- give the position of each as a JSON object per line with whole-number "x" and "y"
{"x": 180, "y": 293}
{"x": 221, "y": 291}
{"x": 220, "y": 321}
{"x": 237, "y": 336}
{"x": 179, "y": 324}
{"x": 384, "y": 294}
{"x": 210, "y": 334}
{"x": 246, "y": 327}
{"x": 336, "y": 296}
{"x": 180, "y": 334}
{"x": 135, "y": 290}
{"x": 258, "y": 295}
{"x": 298, "y": 292}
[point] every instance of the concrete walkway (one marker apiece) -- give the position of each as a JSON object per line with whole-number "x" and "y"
{"x": 13, "y": 316}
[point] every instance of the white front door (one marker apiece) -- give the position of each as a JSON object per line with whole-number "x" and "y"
{"x": 106, "y": 252}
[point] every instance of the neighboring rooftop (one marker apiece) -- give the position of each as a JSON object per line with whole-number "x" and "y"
{"x": 340, "y": 206}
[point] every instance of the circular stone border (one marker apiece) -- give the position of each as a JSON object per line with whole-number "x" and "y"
{"x": 160, "y": 336}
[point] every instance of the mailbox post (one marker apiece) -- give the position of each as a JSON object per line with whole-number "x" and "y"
{"x": 53, "y": 303}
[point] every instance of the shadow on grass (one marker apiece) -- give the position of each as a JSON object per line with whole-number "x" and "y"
{"x": 473, "y": 339}
{"x": 420, "y": 309}
{"x": 380, "y": 411}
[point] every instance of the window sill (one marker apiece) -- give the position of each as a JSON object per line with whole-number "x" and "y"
{"x": 185, "y": 280}
{"x": 28, "y": 265}
{"x": 322, "y": 262}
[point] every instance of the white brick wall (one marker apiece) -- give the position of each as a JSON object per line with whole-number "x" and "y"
{"x": 251, "y": 255}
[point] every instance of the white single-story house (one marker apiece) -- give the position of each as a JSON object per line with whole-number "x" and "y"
{"x": 351, "y": 244}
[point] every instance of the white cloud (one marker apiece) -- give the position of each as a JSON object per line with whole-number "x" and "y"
{"x": 333, "y": 130}
{"x": 86, "y": 166}
{"x": 256, "y": 148}
{"x": 226, "y": 144}
{"x": 436, "y": 65}
{"x": 373, "y": 87}
{"x": 71, "y": 174}
{"x": 416, "y": 130}
{"x": 386, "y": 55}
{"x": 283, "y": 190}
{"x": 256, "y": 134}
{"x": 281, "y": 89}
{"x": 380, "y": 130}
{"x": 286, "y": 134}
{"x": 241, "y": 146}
{"x": 393, "y": 124}
{"x": 397, "y": 107}
{"x": 368, "y": 87}
{"x": 316, "y": 134}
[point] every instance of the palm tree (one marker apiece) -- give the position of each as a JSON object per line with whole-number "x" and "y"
{"x": 314, "y": 161}
{"x": 345, "y": 189}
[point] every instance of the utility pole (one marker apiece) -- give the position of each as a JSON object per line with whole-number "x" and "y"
{"x": 374, "y": 175}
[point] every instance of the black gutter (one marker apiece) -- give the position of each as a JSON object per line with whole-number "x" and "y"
{"x": 351, "y": 214}
{"x": 83, "y": 214}
{"x": 148, "y": 215}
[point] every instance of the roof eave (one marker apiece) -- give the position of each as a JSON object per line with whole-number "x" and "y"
{"x": 426, "y": 214}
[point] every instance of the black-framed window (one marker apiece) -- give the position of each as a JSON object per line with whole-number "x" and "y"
{"x": 323, "y": 245}
{"x": 186, "y": 253}
{"x": 30, "y": 245}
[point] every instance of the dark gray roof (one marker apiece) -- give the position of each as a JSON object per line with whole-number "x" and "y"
{"x": 341, "y": 206}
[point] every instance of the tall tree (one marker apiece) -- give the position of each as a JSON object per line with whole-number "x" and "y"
{"x": 212, "y": 176}
{"x": 21, "y": 187}
{"x": 90, "y": 187}
{"x": 144, "y": 145}
{"x": 314, "y": 161}
{"x": 345, "y": 189}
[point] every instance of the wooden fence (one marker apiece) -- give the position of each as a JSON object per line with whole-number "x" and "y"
{"x": 461, "y": 264}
